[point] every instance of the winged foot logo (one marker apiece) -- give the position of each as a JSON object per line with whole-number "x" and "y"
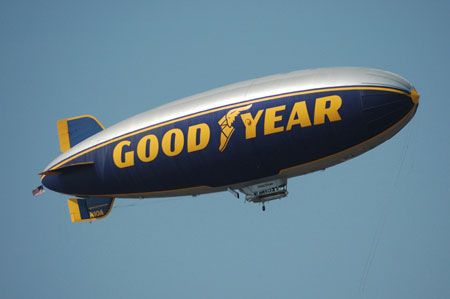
{"x": 226, "y": 125}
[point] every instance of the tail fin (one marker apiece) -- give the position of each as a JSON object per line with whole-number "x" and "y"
{"x": 89, "y": 209}
{"x": 72, "y": 131}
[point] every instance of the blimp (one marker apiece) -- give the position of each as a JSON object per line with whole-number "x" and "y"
{"x": 247, "y": 138}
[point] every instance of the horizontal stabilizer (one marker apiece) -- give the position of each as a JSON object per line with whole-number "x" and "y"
{"x": 67, "y": 168}
{"x": 89, "y": 209}
{"x": 72, "y": 131}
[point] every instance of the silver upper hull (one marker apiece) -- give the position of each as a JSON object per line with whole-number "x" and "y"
{"x": 243, "y": 91}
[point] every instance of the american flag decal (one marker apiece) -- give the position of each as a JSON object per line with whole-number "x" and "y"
{"x": 38, "y": 191}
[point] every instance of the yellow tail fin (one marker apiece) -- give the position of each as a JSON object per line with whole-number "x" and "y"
{"x": 72, "y": 131}
{"x": 89, "y": 209}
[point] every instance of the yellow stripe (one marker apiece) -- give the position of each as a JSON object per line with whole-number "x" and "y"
{"x": 74, "y": 210}
{"x": 63, "y": 135}
{"x": 223, "y": 108}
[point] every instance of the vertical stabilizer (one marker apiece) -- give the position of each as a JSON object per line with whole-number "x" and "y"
{"x": 89, "y": 209}
{"x": 72, "y": 131}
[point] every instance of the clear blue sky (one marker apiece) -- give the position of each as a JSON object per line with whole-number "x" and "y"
{"x": 375, "y": 227}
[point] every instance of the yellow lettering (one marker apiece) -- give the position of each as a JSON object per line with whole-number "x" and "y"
{"x": 321, "y": 110}
{"x": 271, "y": 118}
{"x": 117, "y": 155}
{"x": 299, "y": 116}
{"x": 203, "y": 131}
{"x": 147, "y": 148}
{"x": 250, "y": 123}
{"x": 97, "y": 213}
{"x": 172, "y": 148}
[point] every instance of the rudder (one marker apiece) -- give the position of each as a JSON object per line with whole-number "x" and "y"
{"x": 89, "y": 209}
{"x": 72, "y": 131}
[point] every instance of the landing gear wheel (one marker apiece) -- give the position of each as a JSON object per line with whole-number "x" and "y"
{"x": 264, "y": 207}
